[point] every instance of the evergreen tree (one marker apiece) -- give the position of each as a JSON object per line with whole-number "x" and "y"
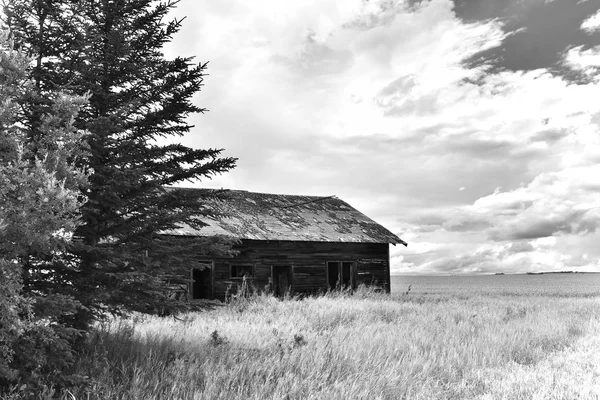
{"x": 39, "y": 203}
{"x": 138, "y": 105}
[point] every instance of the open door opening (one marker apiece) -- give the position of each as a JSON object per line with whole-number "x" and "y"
{"x": 333, "y": 275}
{"x": 202, "y": 283}
{"x": 282, "y": 279}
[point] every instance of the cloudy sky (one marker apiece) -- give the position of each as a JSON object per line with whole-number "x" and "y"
{"x": 471, "y": 128}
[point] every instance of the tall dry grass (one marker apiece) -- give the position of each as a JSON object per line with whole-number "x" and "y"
{"x": 361, "y": 346}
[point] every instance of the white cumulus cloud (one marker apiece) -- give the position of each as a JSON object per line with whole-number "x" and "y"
{"x": 592, "y": 24}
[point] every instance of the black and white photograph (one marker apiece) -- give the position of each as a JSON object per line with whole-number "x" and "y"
{"x": 289, "y": 200}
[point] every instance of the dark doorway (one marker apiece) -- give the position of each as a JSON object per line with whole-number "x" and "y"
{"x": 340, "y": 274}
{"x": 347, "y": 274}
{"x": 333, "y": 274}
{"x": 202, "y": 283}
{"x": 282, "y": 280}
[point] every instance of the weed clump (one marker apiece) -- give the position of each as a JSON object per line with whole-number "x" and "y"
{"x": 217, "y": 339}
{"x": 299, "y": 340}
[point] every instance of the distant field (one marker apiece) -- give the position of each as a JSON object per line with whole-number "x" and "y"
{"x": 570, "y": 285}
{"x": 361, "y": 346}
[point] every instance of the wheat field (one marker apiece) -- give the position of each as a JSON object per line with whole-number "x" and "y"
{"x": 353, "y": 346}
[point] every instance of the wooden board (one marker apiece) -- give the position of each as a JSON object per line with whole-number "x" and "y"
{"x": 308, "y": 261}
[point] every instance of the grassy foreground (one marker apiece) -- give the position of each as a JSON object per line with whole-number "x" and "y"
{"x": 361, "y": 346}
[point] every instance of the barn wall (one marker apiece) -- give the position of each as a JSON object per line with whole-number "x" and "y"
{"x": 308, "y": 261}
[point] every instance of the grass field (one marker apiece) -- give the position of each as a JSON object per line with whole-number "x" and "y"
{"x": 361, "y": 346}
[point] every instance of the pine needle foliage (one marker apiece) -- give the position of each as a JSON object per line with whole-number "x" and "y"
{"x": 139, "y": 101}
{"x": 39, "y": 202}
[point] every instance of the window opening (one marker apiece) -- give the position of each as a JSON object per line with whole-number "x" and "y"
{"x": 239, "y": 271}
{"x": 340, "y": 274}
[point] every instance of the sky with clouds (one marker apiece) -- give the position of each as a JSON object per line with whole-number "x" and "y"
{"x": 471, "y": 128}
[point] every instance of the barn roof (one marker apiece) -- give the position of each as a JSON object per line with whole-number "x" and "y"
{"x": 263, "y": 216}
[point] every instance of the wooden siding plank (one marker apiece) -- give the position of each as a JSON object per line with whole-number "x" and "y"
{"x": 308, "y": 260}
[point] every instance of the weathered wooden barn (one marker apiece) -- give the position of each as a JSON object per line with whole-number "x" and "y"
{"x": 302, "y": 244}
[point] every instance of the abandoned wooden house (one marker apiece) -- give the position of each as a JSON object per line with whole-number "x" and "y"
{"x": 301, "y": 244}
